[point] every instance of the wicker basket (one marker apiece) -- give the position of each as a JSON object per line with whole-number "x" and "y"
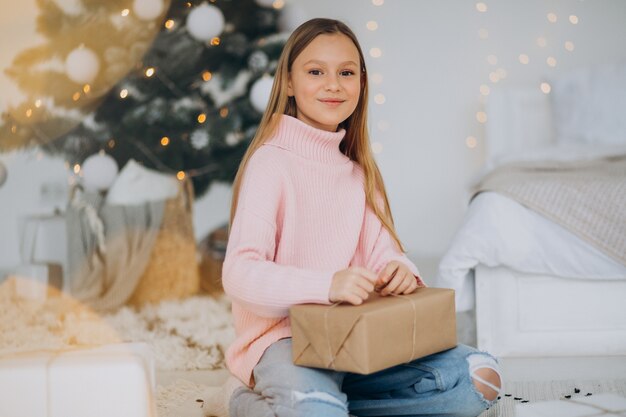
{"x": 172, "y": 271}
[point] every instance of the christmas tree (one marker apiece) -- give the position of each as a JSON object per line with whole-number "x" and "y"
{"x": 179, "y": 86}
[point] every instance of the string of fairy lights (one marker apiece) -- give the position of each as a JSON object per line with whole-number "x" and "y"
{"x": 377, "y": 78}
{"x": 497, "y": 73}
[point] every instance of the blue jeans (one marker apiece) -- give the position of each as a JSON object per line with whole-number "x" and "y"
{"x": 437, "y": 385}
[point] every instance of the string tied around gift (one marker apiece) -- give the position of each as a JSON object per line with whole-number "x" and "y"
{"x": 331, "y": 364}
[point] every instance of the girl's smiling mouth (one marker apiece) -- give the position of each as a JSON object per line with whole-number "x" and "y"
{"x": 332, "y": 102}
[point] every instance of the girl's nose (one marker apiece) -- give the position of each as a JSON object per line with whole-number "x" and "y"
{"x": 332, "y": 83}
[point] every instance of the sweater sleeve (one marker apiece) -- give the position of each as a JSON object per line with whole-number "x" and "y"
{"x": 250, "y": 275}
{"x": 376, "y": 246}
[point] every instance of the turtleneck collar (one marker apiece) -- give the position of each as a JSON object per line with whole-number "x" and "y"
{"x": 307, "y": 141}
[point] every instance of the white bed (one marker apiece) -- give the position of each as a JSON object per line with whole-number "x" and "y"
{"x": 537, "y": 288}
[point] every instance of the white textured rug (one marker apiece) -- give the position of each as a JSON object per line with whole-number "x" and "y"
{"x": 184, "y": 398}
{"x": 528, "y": 392}
{"x": 184, "y": 335}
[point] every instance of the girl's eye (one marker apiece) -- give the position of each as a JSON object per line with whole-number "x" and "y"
{"x": 315, "y": 72}
{"x": 347, "y": 73}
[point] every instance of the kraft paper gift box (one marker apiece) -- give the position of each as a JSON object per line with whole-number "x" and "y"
{"x": 378, "y": 334}
{"x": 111, "y": 380}
{"x": 601, "y": 405}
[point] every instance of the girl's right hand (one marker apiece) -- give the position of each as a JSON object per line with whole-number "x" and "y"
{"x": 352, "y": 285}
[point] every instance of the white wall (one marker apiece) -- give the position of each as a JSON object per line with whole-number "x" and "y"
{"x": 432, "y": 65}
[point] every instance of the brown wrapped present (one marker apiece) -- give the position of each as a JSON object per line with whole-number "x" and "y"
{"x": 378, "y": 334}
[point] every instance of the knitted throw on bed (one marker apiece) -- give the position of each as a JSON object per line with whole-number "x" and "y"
{"x": 586, "y": 197}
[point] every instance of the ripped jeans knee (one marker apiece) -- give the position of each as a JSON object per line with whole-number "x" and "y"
{"x": 485, "y": 374}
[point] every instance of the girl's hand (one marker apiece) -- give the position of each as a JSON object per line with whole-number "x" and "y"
{"x": 397, "y": 278}
{"x": 352, "y": 285}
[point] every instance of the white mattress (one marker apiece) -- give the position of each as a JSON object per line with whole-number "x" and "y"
{"x": 497, "y": 231}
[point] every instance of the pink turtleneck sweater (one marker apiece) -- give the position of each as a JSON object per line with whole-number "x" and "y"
{"x": 301, "y": 217}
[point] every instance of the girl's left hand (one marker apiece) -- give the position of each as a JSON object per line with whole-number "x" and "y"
{"x": 401, "y": 282}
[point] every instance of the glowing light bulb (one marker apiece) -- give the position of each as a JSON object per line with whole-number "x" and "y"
{"x": 471, "y": 142}
{"x": 551, "y": 17}
{"x": 542, "y": 42}
{"x": 481, "y": 7}
{"x": 111, "y": 143}
{"x": 76, "y": 169}
{"x": 493, "y": 77}
{"x": 573, "y": 19}
{"x": 551, "y": 61}
{"x": 379, "y": 99}
{"x": 125, "y": 12}
{"x": 215, "y": 41}
{"x": 124, "y": 93}
{"x": 523, "y": 58}
{"x": 86, "y": 88}
{"x": 38, "y": 103}
{"x": 492, "y": 59}
{"x": 224, "y": 112}
{"x": 545, "y": 88}
{"x": 29, "y": 112}
{"x": 165, "y": 141}
{"x": 202, "y": 118}
{"x": 481, "y": 116}
{"x": 150, "y": 72}
{"x": 372, "y": 25}
{"x": 376, "y": 53}
{"x": 485, "y": 90}
{"x": 169, "y": 24}
{"x": 76, "y": 96}
{"x": 378, "y": 2}
{"x": 206, "y": 75}
{"x": 569, "y": 46}
{"x": 278, "y": 4}
{"x": 181, "y": 175}
{"x": 501, "y": 73}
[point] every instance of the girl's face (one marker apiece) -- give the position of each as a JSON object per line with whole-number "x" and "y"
{"x": 325, "y": 81}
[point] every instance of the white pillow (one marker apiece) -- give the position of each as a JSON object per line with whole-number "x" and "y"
{"x": 519, "y": 120}
{"x": 589, "y": 105}
{"x": 137, "y": 184}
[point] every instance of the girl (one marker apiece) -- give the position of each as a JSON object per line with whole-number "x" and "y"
{"x": 311, "y": 223}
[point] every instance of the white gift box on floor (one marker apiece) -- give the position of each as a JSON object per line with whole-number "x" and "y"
{"x": 605, "y": 405}
{"x": 44, "y": 241}
{"x": 107, "y": 381}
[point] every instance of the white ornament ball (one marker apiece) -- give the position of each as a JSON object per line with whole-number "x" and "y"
{"x": 82, "y": 65}
{"x": 205, "y": 22}
{"x": 265, "y": 3}
{"x": 148, "y": 9}
{"x": 3, "y": 174}
{"x": 99, "y": 172}
{"x": 260, "y": 93}
{"x": 291, "y": 17}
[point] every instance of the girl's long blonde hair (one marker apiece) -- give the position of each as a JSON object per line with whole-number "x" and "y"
{"x": 355, "y": 144}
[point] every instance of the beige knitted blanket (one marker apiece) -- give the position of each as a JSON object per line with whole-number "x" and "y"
{"x": 586, "y": 197}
